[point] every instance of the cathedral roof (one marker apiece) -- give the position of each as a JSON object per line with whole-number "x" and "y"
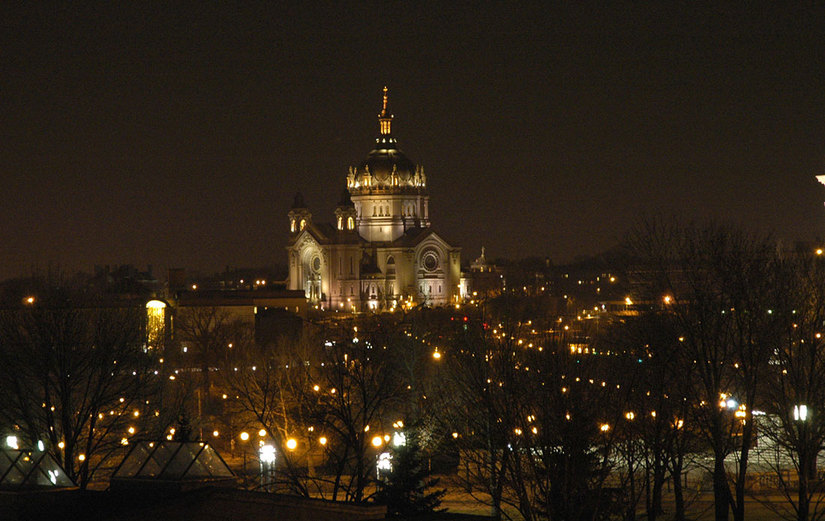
{"x": 325, "y": 233}
{"x": 413, "y": 236}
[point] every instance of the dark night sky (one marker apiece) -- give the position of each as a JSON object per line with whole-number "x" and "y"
{"x": 178, "y": 137}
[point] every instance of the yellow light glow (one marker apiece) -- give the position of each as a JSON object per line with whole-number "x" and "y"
{"x": 322, "y": 440}
{"x": 604, "y": 427}
{"x": 29, "y": 300}
{"x": 244, "y": 436}
{"x": 436, "y": 355}
{"x": 377, "y": 441}
{"x": 61, "y": 445}
{"x": 291, "y": 444}
{"x": 216, "y": 434}
{"x": 262, "y": 433}
{"x": 81, "y": 457}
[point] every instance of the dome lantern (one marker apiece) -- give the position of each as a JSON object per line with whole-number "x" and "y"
{"x": 385, "y": 118}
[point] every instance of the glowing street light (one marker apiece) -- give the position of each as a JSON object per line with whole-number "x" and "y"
{"x": 377, "y": 441}
{"x": 267, "y": 454}
{"x": 291, "y": 444}
{"x": 244, "y": 436}
{"x": 800, "y": 413}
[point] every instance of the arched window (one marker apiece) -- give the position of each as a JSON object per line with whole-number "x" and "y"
{"x": 350, "y": 223}
{"x": 340, "y": 223}
{"x": 303, "y": 223}
{"x": 292, "y": 225}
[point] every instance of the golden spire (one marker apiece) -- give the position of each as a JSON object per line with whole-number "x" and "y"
{"x": 385, "y": 118}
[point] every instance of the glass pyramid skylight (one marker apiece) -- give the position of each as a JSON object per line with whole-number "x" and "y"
{"x": 25, "y": 470}
{"x": 173, "y": 461}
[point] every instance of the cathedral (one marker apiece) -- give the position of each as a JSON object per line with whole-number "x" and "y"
{"x": 381, "y": 252}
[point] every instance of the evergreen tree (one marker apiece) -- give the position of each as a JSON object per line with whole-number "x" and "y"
{"x": 404, "y": 489}
{"x": 183, "y": 431}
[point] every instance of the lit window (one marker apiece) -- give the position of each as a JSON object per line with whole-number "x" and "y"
{"x": 350, "y": 223}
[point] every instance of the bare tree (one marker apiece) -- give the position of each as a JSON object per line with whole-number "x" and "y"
{"x": 274, "y": 388}
{"x": 721, "y": 284}
{"x": 331, "y": 385}
{"x": 795, "y": 422}
{"x": 203, "y": 335}
{"x": 73, "y": 373}
{"x": 360, "y": 387}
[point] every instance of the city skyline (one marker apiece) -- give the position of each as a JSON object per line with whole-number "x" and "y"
{"x": 179, "y": 138}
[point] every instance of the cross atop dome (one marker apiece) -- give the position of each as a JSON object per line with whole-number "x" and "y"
{"x": 385, "y": 118}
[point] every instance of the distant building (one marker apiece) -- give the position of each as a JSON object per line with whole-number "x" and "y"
{"x": 381, "y": 251}
{"x": 482, "y": 279}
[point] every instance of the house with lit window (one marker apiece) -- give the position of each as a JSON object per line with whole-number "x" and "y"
{"x": 381, "y": 251}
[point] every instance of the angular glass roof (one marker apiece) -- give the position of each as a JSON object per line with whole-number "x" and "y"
{"x": 23, "y": 470}
{"x": 172, "y": 460}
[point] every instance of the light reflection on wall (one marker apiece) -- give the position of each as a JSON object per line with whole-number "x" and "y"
{"x": 155, "y": 322}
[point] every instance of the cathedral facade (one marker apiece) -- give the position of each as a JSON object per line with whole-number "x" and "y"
{"x": 381, "y": 252}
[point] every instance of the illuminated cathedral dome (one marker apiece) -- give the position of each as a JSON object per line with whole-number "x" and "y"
{"x": 381, "y": 253}
{"x": 386, "y": 168}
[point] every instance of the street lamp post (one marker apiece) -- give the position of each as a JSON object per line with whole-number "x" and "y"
{"x": 244, "y": 437}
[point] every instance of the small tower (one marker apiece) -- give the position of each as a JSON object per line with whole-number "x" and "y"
{"x": 299, "y": 214}
{"x": 345, "y": 213}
